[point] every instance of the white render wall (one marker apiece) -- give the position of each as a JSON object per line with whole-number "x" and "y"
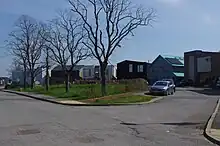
{"x": 87, "y": 72}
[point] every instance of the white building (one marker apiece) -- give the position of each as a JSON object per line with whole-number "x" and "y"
{"x": 110, "y": 72}
{"x": 87, "y": 72}
{"x": 93, "y": 72}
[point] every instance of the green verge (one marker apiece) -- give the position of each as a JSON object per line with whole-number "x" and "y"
{"x": 123, "y": 99}
{"x": 77, "y": 92}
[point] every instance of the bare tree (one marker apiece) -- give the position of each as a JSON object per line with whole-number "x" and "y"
{"x": 107, "y": 23}
{"x": 64, "y": 38}
{"x": 15, "y": 65}
{"x": 18, "y": 51}
{"x": 47, "y": 64}
{"x": 28, "y": 44}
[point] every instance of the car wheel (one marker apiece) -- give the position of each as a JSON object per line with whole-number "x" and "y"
{"x": 172, "y": 92}
{"x": 166, "y": 92}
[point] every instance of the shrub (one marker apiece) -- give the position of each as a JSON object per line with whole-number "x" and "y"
{"x": 134, "y": 84}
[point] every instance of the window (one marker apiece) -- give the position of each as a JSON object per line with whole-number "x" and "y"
{"x": 160, "y": 83}
{"x": 140, "y": 68}
{"x": 130, "y": 67}
{"x": 90, "y": 73}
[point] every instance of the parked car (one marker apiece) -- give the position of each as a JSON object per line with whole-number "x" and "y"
{"x": 172, "y": 83}
{"x": 162, "y": 87}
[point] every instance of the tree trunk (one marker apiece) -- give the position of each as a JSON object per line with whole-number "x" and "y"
{"x": 103, "y": 78}
{"x": 47, "y": 80}
{"x": 32, "y": 80}
{"x": 67, "y": 82}
{"x": 24, "y": 79}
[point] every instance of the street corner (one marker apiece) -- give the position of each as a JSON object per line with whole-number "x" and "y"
{"x": 212, "y": 129}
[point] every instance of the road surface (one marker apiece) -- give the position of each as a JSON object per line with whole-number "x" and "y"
{"x": 177, "y": 120}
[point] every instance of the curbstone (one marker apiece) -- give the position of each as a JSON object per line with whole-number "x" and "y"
{"x": 208, "y": 126}
{"x": 82, "y": 104}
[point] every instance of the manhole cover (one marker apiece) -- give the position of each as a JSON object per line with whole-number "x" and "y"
{"x": 28, "y": 131}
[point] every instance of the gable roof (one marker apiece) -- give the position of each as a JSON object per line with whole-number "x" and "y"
{"x": 174, "y": 60}
{"x": 133, "y": 61}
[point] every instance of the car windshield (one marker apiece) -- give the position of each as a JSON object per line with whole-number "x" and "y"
{"x": 160, "y": 84}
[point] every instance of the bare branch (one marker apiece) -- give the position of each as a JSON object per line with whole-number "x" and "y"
{"x": 65, "y": 37}
{"x": 25, "y": 44}
{"x": 108, "y": 23}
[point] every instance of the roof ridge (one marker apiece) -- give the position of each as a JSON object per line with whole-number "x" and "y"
{"x": 168, "y": 57}
{"x": 172, "y": 56}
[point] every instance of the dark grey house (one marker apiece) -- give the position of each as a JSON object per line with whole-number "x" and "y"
{"x": 164, "y": 66}
{"x": 58, "y": 75}
{"x": 129, "y": 69}
{"x": 202, "y": 67}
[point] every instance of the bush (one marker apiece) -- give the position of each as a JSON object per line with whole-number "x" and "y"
{"x": 134, "y": 84}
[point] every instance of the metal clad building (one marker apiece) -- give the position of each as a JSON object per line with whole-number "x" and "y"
{"x": 202, "y": 67}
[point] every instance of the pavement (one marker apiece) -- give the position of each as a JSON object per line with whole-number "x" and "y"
{"x": 177, "y": 120}
{"x": 78, "y": 103}
{"x": 212, "y": 131}
{"x": 46, "y": 98}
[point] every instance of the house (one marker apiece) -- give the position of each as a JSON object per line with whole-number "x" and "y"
{"x": 18, "y": 76}
{"x": 97, "y": 72}
{"x": 93, "y": 72}
{"x": 110, "y": 72}
{"x": 129, "y": 69}
{"x": 201, "y": 67}
{"x": 87, "y": 72}
{"x": 166, "y": 66}
{"x": 58, "y": 75}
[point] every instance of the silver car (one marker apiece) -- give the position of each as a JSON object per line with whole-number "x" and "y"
{"x": 173, "y": 84}
{"x": 162, "y": 87}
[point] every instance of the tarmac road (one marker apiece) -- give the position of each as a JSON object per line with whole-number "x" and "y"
{"x": 177, "y": 120}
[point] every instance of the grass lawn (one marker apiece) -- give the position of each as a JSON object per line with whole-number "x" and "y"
{"x": 122, "y": 99}
{"x": 78, "y": 92}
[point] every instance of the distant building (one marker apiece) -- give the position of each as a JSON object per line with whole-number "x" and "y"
{"x": 92, "y": 72}
{"x": 87, "y": 72}
{"x": 129, "y": 69}
{"x": 58, "y": 75}
{"x": 167, "y": 67}
{"x": 5, "y": 80}
{"x": 97, "y": 72}
{"x": 202, "y": 67}
{"x": 110, "y": 72}
{"x": 18, "y": 76}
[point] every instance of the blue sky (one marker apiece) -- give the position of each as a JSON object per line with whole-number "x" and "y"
{"x": 182, "y": 25}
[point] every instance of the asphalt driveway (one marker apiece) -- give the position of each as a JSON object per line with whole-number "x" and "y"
{"x": 177, "y": 120}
